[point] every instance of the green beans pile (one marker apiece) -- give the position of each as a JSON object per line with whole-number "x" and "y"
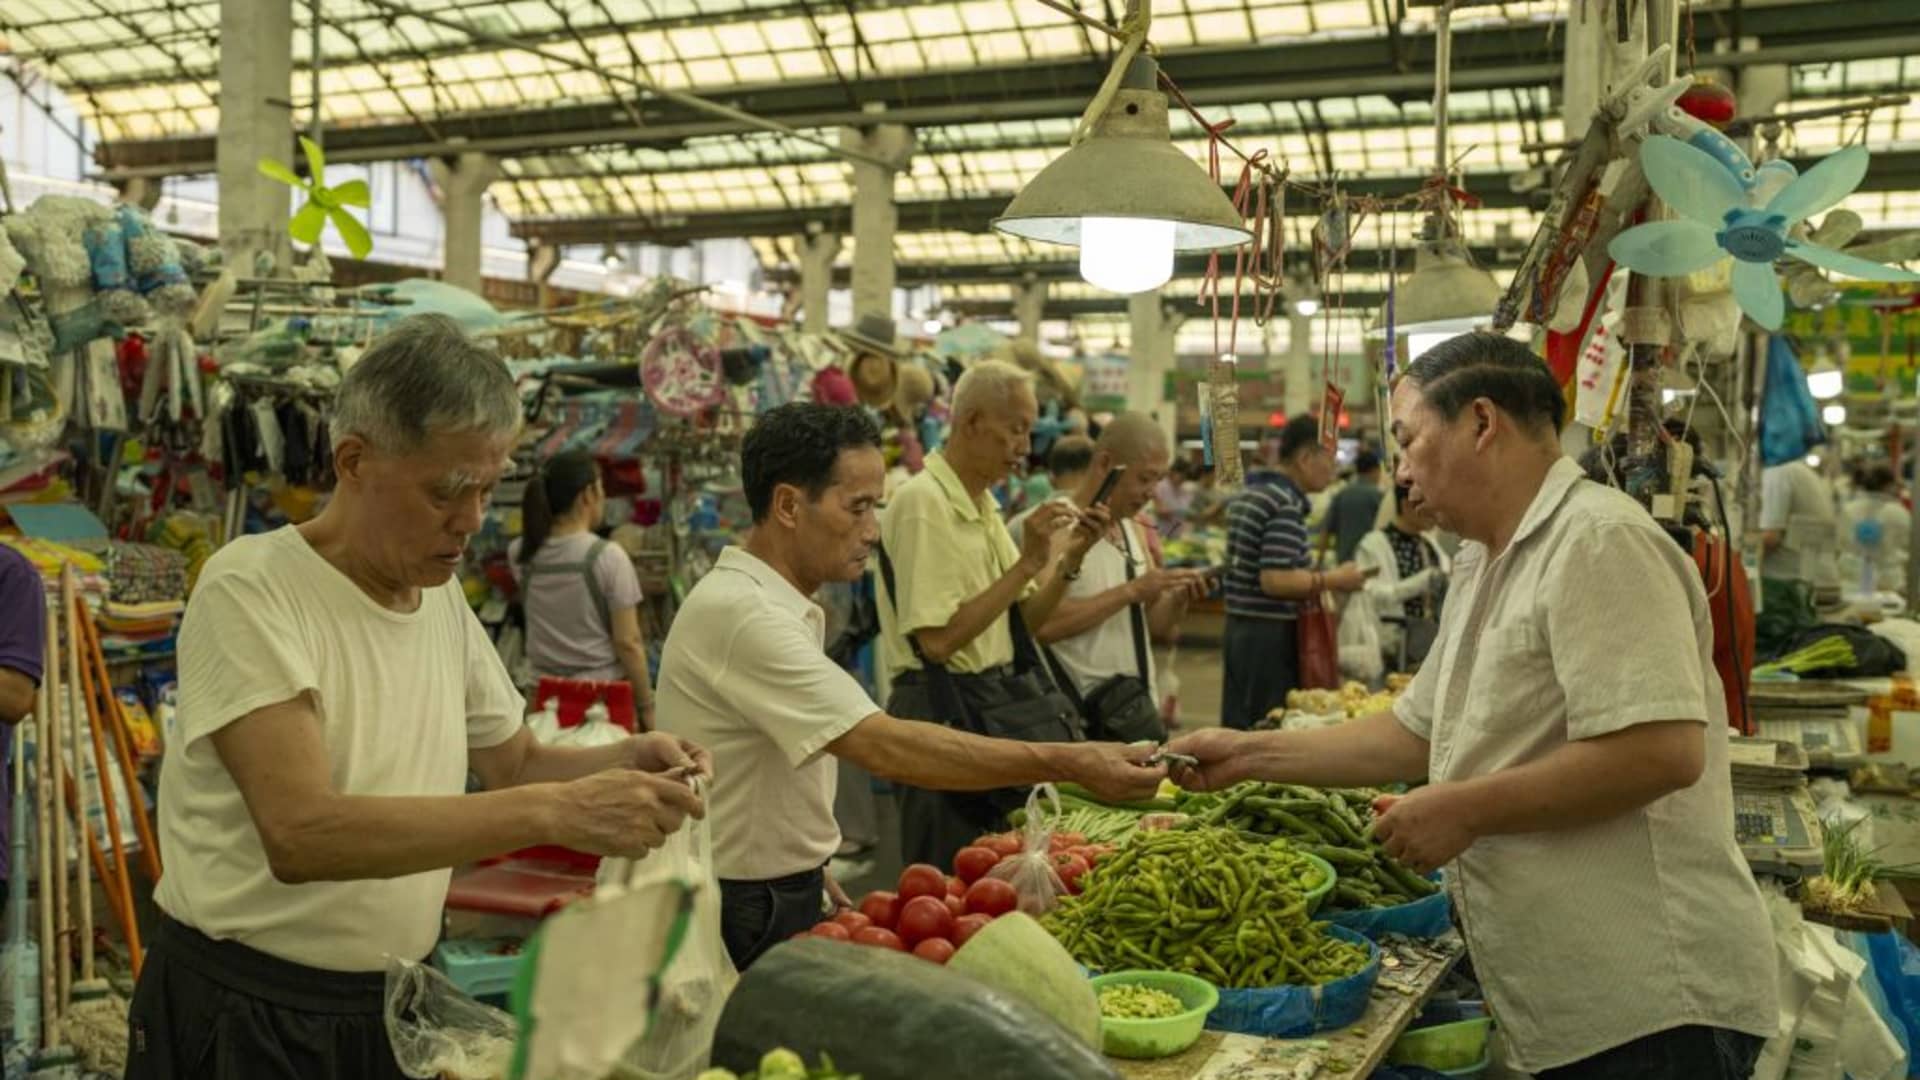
{"x": 1208, "y": 903}
{"x": 1330, "y": 824}
{"x": 1131, "y": 1002}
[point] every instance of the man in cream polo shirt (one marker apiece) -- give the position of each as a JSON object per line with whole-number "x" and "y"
{"x": 745, "y": 673}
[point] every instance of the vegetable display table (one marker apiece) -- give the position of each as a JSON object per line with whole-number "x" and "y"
{"x": 1405, "y": 984}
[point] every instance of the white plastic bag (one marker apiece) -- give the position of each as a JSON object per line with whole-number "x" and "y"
{"x": 438, "y": 1031}
{"x": 1361, "y": 658}
{"x": 595, "y": 729}
{"x": 1031, "y": 872}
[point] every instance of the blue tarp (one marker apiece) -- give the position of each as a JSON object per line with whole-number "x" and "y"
{"x": 1427, "y": 917}
{"x": 1292, "y": 1012}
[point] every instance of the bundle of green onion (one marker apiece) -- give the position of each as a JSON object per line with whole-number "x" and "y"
{"x": 1829, "y": 652}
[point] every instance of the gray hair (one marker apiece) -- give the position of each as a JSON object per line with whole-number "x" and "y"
{"x": 1130, "y": 437}
{"x": 988, "y": 384}
{"x": 424, "y": 377}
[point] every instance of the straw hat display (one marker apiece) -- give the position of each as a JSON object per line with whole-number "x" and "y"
{"x": 875, "y": 367}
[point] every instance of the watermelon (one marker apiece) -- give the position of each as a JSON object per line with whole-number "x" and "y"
{"x": 1014, "y": 954}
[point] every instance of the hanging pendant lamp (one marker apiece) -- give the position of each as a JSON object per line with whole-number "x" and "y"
{"x": 1126, "y": 196}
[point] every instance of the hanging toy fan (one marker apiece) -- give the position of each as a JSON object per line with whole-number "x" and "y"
{"x": 1716, "y": 200}
{"x": 324, "y": 203}
{"x": 1807, "y": 286}
{"x": 681, "y": 375}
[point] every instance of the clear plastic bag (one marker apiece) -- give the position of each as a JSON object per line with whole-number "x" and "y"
{"x": 438, "y": 1031}
{"x": 1031, "y": 872}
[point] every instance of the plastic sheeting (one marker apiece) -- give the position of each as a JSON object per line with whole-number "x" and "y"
{"x": 1292, "y": 1012}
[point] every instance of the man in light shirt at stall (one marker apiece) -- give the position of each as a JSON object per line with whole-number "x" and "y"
{"x": 1574, "y": 732}
{"x": 745, "y": 672}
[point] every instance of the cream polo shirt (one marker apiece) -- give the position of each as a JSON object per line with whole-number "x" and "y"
{"x": 946, "y": 548}
{"x": 1591, "y": 621}
{"x": 744, "y": 673}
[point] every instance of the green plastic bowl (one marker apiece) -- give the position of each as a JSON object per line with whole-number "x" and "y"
{"x": 1461, "y": 1045}
{"x": 1164, "y": 1037}
{"x": 1315, "y": 897}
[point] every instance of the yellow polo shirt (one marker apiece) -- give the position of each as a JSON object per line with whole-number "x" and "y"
{"x": 947, "y": 548}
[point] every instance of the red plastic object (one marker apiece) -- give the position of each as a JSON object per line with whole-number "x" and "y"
{"x": 1708, "y": 102}
{"x": 531, "y": 884}
{"x": 572, "y": 698}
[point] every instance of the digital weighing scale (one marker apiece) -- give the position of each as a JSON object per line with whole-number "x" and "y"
{"x": 1773, "y": 816}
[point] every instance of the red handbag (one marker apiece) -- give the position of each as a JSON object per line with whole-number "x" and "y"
{"x": 1319, "y": 645}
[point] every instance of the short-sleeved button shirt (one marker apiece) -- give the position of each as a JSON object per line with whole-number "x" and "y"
{"x": 1591, "y": 621}
{"x": 744, "y": 673}
{"x": 947, "y": 547}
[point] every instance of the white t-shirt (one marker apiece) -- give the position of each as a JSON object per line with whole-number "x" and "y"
{"x": 1798, "y": 503}
{"x": 401, "y": 699}
{"x": 1107, "y": 649}
{"x": 565, "y": 634}
{"x": 746, "y": 675}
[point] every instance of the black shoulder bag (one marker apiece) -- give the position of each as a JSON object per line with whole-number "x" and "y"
{"x": 1120, "y": 708}
{"x": 1021, "y": 703}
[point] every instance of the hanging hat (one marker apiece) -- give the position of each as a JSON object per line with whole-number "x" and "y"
{"x": 872, "y": 333}
{"x": 914, "y": 391}
{"x": 832, "y": 387}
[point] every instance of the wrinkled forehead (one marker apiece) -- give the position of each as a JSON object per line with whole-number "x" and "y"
{"x": 455, "y": 462}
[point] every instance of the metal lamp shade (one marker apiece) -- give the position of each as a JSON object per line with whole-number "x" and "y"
{"x": 1446, "y": 293}
{"x": 1127, "y": 168}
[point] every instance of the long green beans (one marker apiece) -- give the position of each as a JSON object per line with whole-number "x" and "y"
{"x": 1207, "y": 903}
{"x": 1330, "y": 824}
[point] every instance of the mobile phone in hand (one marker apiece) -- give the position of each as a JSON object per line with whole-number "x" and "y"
{"x": 1106, "y": 486}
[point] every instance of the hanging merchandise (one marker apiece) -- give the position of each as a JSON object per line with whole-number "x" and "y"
{"x": 1600, "y": 369}
{"x": 1223, "y": 420}
{"x": 323, "y": 204}
{"x": 1330, "y": 405}
{"x": 681, "y": 376}
{"x": 1790, "y": 424}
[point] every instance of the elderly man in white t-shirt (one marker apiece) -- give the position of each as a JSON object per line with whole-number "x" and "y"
{"x": 1574, "y": 732}
{"x": 745, "y": 672}
{"x": 335, "y": 692}
{"x": 1101, "y": 635}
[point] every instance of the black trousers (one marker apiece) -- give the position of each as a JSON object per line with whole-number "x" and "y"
{"x": 1263, "y": 665}
{"x": 757, "y": 915}
{"x": 218, "y": 1010}
{"x": 1682, "y": 1053}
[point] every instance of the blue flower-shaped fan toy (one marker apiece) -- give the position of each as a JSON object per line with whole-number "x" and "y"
{"x": 1717, "y": 192}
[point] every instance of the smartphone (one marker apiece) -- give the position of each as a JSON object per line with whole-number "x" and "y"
{"x": 1106, "y": 486}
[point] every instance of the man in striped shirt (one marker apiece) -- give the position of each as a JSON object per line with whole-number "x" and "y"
{"x": 1270, "y": 572}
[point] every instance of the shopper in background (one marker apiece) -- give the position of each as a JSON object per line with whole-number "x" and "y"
{"x": 335, "y": 693}
{"x": 1354, "y": 509}
{"x": 958, "y": 575}
{"x": 23, "y": 642}
{"x": 745, "y": 672}
{"x": 1173, "y": 496}
{"x": 579, "y": 591}
{"x": 1407, "y": 581}
{"x": 1123, "y": 600}
{"x": 1574, "y": 736}
{"x": 1874, "y": 530}
{"x": 1067, "y": 463}
{"x": 1799, "y": 531}
{"x": 1270, "y": 573}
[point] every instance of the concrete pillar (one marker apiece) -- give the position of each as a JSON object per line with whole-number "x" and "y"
{"x": 817, "y": 254}
{"x": 1584, "y": 77}
{"x": 1150, "y": 356}
{"x": 141, "y": 191}
{"x": 256, "y": 78}
{"x": 1302, "y": 391}
{"x": 463, "y": 183}
{"x": 874, "y": 215}
{"x": 542, "y": 261}
{"x": 1029, "y": 303}
{"x": 1758, "y": 90}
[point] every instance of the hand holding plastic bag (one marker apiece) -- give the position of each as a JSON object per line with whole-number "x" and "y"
{"x": 1031, "y": 872}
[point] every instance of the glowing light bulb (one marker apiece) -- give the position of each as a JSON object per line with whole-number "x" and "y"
{"x": 1306, "y": 307}
{"x": 1834, "y": 415}
{"x": 1826, "y": 383}
{"x": 1126, "y": 255}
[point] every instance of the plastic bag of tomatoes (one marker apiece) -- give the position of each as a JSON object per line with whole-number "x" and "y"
{"x": 1036, "y": 883}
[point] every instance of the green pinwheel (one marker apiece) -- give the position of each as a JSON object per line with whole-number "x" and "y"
{"x": 324, "y": 203}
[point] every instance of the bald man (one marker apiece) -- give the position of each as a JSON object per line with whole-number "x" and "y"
{"x": 1097, "y": 637}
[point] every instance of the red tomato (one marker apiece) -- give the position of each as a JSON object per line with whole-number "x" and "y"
{"x": 957, "y": 905}
{"x": 973, "y": 863}
{"x": 832, "y": 930}
{"x": 925, "y": 917}
{"x": 922, "y": 880}
{"x": 991, "y": 896}
{"x": 854, "y": 921}
{"x": 938, "y": 950}
{"x": 957, "y": 887}
{"x": 1001, "y": 844}
{"x": 886, "y": 939}
{"x": 882, "y": 908}
{"x": 966, "y": 926}
{"x": 1071, "y": 869}
{"x": 1073, "y": 839}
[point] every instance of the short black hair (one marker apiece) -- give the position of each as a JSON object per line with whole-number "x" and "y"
{"x": 1070, "y": 454}
{"x": 1367, "y": 461}
{"x": 799, "y": 444}
{"x": 1493, "y": 366}
{"x": 1300, "y": 433}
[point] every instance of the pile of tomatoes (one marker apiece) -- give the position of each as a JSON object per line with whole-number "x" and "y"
{"x": 932, "y": 914}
